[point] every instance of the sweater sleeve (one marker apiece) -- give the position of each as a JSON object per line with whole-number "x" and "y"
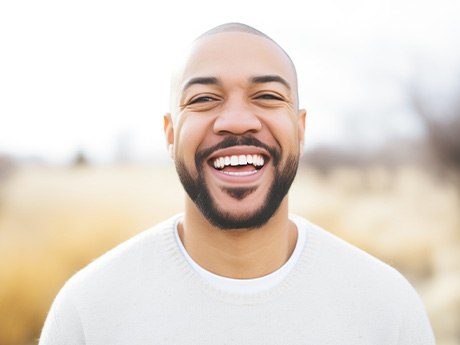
{"x": 63, "y": 325}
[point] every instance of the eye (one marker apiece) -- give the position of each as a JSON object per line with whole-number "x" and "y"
{"x": 269, "y": 96}
{"x": 202, "y": 99}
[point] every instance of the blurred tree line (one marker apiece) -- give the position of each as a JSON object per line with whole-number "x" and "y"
{"x": 442, "y": 136}
{"x": 437, "y": 151}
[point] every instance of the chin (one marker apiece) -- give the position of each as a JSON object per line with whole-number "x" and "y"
{"x": 240, "y": 218}
{"x": 220, "y": 213}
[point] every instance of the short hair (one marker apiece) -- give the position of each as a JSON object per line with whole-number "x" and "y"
{"x": 240, "y": 27}
{"x": 234, "y": 27}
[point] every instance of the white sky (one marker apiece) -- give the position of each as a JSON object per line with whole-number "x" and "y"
{"x": 94, "y": 75}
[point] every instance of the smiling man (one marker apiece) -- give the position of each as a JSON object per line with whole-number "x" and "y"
{"x": 236, "y": 267}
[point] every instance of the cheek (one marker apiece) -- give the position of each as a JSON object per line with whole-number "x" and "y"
{"x": 285, "y": 130}
{"x": 191, "y": 131}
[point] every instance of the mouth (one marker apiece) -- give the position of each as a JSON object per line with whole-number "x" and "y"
{"x": 241, "y": 161}
{"x": 238, "y": 159}
{"x": 239, "y": 165}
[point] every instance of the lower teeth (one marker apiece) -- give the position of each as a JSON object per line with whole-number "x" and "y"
{"x": 240, "y": 173}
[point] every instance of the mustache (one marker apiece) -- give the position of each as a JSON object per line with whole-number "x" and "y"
{"x": 230, "y": 141}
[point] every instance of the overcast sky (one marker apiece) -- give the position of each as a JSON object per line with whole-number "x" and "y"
{"x": 93, "y": 76}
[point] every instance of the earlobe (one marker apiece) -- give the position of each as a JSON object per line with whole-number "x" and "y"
{"x": 171, "y": 151}
{"x": 169, "y": 134}
{"x": 301, "y": 127}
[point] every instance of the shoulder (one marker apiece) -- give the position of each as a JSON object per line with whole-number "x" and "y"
{"x": 111, "y": 284}
{"x": 341, "y": 261}
{"x": 125, "y": 263}
{"x": 361, "y": 286}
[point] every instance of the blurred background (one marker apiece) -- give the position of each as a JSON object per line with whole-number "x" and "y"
{"x": 83, "y": 163}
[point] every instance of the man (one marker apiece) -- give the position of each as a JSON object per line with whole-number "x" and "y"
{"x": 236, "y": 267}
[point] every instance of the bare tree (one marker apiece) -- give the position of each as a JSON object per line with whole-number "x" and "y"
{"x": 442, "y": 128}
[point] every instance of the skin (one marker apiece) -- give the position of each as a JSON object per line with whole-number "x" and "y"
{"x": 232, "y": 99}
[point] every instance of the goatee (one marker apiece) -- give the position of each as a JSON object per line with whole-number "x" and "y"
{"x": 198, "y": 191}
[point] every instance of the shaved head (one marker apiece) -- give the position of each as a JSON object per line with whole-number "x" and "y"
{"x": 233, "y": 27}
{"x": 239, "y": 27}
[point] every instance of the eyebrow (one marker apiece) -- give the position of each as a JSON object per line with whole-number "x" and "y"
{"x": 269, "y": 79}
{"x": 262, "y": 79}
{"x": 201, "y": 81}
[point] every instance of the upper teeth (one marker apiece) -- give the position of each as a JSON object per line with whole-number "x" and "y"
{"x": 222, "y": 162}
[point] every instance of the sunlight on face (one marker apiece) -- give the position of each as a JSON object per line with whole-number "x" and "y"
{"x": 237, "y": 100}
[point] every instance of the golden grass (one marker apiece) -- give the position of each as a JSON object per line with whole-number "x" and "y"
{"x": 53, "y": 221}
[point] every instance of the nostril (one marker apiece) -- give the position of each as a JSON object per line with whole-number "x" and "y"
{"x": 237, "y": 124}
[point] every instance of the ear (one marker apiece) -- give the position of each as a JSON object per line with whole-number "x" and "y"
{"x": 301, "y": 127}
{"x": 169, "y": 134}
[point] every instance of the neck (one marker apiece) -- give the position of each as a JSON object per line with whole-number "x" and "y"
{"x": 239, "y": 254}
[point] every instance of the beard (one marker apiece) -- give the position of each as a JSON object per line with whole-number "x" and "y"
{"x": 198, "y": 191}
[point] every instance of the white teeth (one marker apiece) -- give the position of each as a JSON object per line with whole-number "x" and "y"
{"x": 234, "y": 160}
{"x": 240, "y": 173}
{"x": 219, "y": 163}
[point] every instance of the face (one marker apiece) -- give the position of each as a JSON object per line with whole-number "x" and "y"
{"x": 236, "y": 129}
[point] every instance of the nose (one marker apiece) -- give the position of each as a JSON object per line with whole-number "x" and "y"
{"x": 237, "y": 117}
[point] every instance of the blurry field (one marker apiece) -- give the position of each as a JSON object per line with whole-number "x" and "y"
{"x": 55, "y": 220}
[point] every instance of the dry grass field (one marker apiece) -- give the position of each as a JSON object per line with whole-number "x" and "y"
{"x": 54, "y": 220}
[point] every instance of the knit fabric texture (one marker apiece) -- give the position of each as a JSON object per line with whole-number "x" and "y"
{"x": 145, "y": 292}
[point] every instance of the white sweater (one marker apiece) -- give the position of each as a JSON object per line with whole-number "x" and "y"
{"x": 145, "y": 292}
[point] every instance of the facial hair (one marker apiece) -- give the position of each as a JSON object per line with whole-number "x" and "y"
{"x": 198, "y": 191}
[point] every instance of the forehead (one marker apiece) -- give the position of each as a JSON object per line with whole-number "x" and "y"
{"x": 236, "y": 55}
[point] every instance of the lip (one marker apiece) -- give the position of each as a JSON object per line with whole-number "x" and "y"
{"x": 238, "y": 179}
